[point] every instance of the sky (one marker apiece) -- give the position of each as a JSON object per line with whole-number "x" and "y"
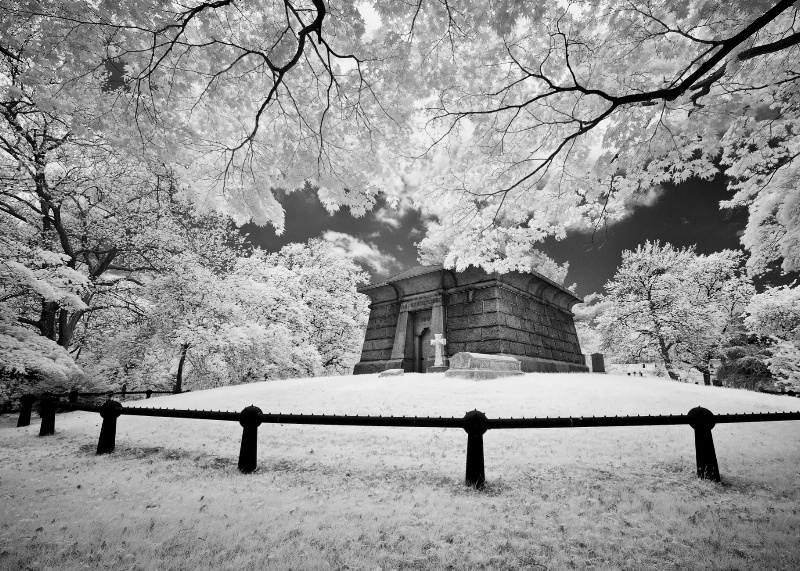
{"x": 382, "y": 241}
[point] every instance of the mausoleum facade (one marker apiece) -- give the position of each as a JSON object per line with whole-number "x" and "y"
{"x": 523, "y": 315}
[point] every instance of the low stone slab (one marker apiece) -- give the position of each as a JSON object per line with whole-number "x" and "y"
{"x": 482, "y": 366}
{"x": 391, "y": 373}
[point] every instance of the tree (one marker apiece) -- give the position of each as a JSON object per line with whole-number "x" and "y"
{"x": 775, "y": 313}
{"x": 72, "y": 201}
{"x": 744, "y": 362}
{"x": 673, "y": 305}
{"x": 236, "y": 327}
{"x": 30, "y": 362}
{"x": 337, "y": 312}
{"x": 294, "y": 313}
{"x": 514, "y": 121}
{"x": 84, "y": 224}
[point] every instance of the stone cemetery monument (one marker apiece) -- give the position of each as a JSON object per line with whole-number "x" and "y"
{"x": 480, "y": 366}
{"x": 438, "y": 361}
{"x": 595, "y": 362}
{"x": 428, "y": 311}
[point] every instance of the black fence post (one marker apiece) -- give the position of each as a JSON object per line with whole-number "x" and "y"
{"x": 250, "y": 419}
{"x": 149, "y": 392}
{"x": 73, "y": 396}
{"x": 124, "y": 389}
{"x": 110, "y": 411}
{"x": 702, "y": 420}
{"x": 48, "y": 414}
{"x": 25, "y": 407}
{"x": 475, "y": 424}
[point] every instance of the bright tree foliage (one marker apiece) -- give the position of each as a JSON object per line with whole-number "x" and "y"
{"x": 295, "y": 313}
{"x": 673, "y": 306}
{"x": 105, "y": 259}
{"x": 509, "y": 121}
{"x": 775, "y": 313}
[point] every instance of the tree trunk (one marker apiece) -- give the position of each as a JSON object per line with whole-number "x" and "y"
{"x": 48, "y": 320}
{"x": 667, "y": 360}
{"x": 67, "y": 325}
{"x": 179, "y": 380}
{"x": 63, "y": 337}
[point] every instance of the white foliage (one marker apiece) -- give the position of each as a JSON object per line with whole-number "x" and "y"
{"x": 51, "y": 279}
{"x": 291, "y": 314}
{"x": 515, "y": 121}
{"x": 25, "y": 353}
{"x": 672, "y": 305}
{"x": 775, "y": 313}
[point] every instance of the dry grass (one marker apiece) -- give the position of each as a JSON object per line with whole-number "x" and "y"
{"x": 369, "y": 498}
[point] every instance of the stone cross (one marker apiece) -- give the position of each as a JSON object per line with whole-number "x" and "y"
{"x": 438, "y": 342}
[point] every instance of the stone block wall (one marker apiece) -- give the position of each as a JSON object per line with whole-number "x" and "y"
{"x": 496, "y": 319}
{"x": 379, "y": 338}
{"x": 472, "y": 323}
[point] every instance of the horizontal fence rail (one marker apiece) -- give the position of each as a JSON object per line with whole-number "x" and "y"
{"x": 475, "y": 423}
{"x": 27, "y": 401}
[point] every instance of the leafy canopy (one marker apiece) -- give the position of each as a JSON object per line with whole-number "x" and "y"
{"x": 508, "y": 121}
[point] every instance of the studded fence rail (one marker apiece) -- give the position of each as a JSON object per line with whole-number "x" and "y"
{"x": 474, "y": 423}
{"x": 27, "y": 400}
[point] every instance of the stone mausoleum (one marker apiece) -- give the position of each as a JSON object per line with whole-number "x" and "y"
{"x": 522, "y": 315}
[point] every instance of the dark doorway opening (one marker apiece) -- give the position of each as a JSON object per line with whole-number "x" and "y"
{"x": 423, "y": 351}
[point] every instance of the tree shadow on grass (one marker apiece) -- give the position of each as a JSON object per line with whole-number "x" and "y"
{"x": 202, "y": 461}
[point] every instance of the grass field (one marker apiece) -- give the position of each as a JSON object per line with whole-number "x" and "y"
{"x": 355, "y": 498}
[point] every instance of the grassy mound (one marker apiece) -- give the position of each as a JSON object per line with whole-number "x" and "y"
{"x": 392, "y": 498}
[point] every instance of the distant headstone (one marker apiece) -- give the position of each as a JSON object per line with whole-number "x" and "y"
{"x": 391, "y": 373}
{"x": 479, "y": 366}
{"x": 598, "y": 363}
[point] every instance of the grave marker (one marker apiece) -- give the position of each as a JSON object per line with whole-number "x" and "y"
{"x": 480, "y": 366}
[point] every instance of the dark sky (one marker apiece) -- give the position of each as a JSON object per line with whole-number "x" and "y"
{"x": 683, "y": 215}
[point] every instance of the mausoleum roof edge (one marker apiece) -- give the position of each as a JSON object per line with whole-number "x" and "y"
{"x": 422, "y": 270}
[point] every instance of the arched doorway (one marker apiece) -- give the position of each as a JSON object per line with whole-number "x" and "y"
{"x": 423, "y": 350}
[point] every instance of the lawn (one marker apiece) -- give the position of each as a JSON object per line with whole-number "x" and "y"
{"x": 362, "y": 498}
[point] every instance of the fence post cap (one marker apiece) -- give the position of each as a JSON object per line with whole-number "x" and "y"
{"x": 111, "y": 409}
{"x": 475, "y": 422}
{"x": 701, "y": 418}
{"x": 250, "y": 416}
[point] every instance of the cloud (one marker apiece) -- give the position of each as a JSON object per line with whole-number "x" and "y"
{"x": 396, "y": 210}
{"x": 417, "y": 232}
{"x": 387, "y": 217}
{"x": 362, "y": 252}
{"x": 649, "y": 197}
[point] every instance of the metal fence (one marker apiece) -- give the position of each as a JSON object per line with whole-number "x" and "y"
{"x": 474, "y": 423}
{"x": 27, "y": 400}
